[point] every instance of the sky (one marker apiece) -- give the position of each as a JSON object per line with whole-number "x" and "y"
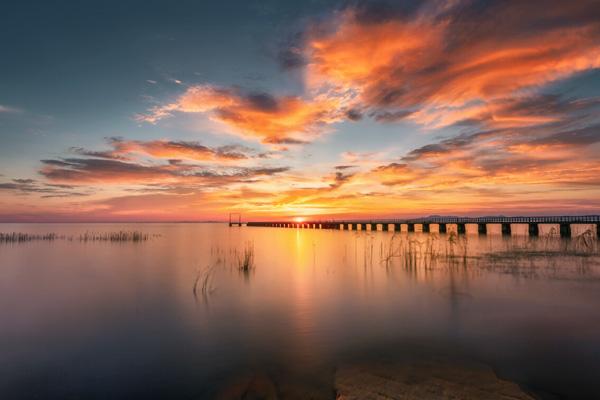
{"x": 189, "y": 110}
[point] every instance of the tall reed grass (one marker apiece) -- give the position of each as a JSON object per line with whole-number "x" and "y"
{"x": 118, "y": 236}
{"x": 246, "y": 259}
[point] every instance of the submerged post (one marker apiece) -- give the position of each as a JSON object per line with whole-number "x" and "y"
{"x": 534, "y": 229}
{"x": 482, "y": 229}
{"x": 426, "y": 228}
{"x": 411, "y": 227}
{"x": 461, "y": 229}
{"x": 506, "y": 231}
{"x": 442, "y": 228}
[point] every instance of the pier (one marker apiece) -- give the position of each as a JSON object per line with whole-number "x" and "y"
{"x": 563, "y": 224}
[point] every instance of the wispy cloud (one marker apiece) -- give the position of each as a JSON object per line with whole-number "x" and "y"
{"x": 169, "y": 149}
{"x": 43, "y": 189}
{"x": 98, "y": 170}
{"x": 7, "y": 109}
{"x": 259, "y": 115}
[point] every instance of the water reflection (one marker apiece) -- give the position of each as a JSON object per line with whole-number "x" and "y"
{"x": 176, "y": 316}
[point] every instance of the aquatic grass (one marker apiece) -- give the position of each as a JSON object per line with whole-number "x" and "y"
{"x": 204, "y": 279}
{"x": 19, "y": 237}
{"x": 246, "y": 258}
{"x": 120, "y": 236}
{"x": 585, "y": 241}
{"x": 116, "y": 236}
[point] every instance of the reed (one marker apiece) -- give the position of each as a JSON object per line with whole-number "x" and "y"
{"x": 120, "y": 236}
{"x": 18, "y": 237}
{"x": 117, "y": 236}
{"x": 204, "y": 279}
{"x": 246, "y": 259}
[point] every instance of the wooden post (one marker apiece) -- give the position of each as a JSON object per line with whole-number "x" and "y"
{"x": 482, "y": 229}
{"x": 565, "y": 230}
{"x": 534, "y": 229}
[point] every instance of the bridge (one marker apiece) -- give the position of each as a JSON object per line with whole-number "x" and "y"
{"x": 563, "y": 223}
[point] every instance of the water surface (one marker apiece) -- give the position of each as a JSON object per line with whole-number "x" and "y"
{"x": 100, "y": 320}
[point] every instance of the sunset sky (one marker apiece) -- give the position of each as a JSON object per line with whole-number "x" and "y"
{"x": 189, "y": 110}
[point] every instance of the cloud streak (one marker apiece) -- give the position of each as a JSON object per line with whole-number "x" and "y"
{"x": 168, "y": 149}
{"x": 255, "y": 115}
{"x": 97, "y": 171}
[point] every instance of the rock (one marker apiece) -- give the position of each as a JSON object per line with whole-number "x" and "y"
{"x": 423, "y": 380}
{"x": 254, "y": 387}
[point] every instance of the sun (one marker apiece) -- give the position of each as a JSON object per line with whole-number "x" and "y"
{"x": 299, "y": 219}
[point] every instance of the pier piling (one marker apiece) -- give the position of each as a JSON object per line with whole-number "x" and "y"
{"x": 565, "y": 230}
{"x": 534, "y": 229}
{"x": 482, "y": 229}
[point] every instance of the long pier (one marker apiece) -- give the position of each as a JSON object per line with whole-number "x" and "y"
{"x": 564, "y": 224}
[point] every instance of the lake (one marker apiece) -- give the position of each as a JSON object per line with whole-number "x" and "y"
{"x": 174, "y": 316}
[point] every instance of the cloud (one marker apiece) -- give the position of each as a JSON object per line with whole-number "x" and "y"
{"x": 6, "y": 109}
{"x": 168, "y": 149}
{"x": 45, "y": 190}
{"x": 257, "y": 115}
{"x": 550, "y": 155}
{"x": 95, "y": 171}
{"x": 441, "y": 57}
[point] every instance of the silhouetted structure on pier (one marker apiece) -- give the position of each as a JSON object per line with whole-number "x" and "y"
{"x": 564, "y": 224}
{"x": 233, "y": 217}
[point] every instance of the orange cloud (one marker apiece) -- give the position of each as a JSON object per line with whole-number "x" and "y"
{"x": 438, "y": 64}
{"x": 273, "y": 120}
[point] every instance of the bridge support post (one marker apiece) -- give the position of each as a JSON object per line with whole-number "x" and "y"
{"x": 442, "y": 228}
{"x": 397, "y": 227}
{"x": 482, "y": 229}
{"x": 598, "y": 230}
{"x": 534, "y": 229}
{"x": 461, "y": 229}
{"x": 565, "y": 230}
{"x": 506, "y": 231}
{"x": 385, "y": 227}
{"x": 426, "y": 228}
{"x": 374, "y": 227}
{"x": 411, "y": 227}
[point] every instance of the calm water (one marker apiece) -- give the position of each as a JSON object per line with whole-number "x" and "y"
{"x": 119, "y": 320}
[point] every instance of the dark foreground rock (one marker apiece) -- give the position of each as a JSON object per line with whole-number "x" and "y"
{"x": 423, "y": 381}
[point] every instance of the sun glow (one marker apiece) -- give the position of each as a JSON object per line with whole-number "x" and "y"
{"x": 299, "y": 219}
